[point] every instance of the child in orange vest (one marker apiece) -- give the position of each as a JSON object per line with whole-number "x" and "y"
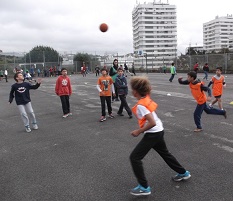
{"x": 153, "y": 138}
{"x": 197, "y": 89}
{"x": 218, "y": 82}
{"x": 104, "y": 85}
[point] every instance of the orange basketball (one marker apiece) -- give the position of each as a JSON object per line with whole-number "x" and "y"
{"x": 103, "y": 27}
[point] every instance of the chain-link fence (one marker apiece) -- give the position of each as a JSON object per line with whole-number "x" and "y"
{"x": 183, "y": 63}
{"x": 186, "y": 62}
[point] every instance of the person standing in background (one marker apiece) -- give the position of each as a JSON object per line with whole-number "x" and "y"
{"x": 113, "y": 74}
{"x": 173, "y": 72}
{"x": 133, "y": 69}
{"x": 206, "y": 71}
{"x": 6, "y": 74}
{"x": 195, "y": 67}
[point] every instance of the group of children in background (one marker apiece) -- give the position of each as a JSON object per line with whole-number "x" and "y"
{"x": 145, "y": 112}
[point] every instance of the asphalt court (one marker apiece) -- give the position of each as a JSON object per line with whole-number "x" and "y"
{"x": 79, "y": 158}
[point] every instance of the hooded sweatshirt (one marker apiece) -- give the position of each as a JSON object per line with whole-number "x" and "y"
{"x": 63, "y": 86}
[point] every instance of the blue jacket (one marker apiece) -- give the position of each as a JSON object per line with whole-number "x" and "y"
{"x": 121, "y": 84}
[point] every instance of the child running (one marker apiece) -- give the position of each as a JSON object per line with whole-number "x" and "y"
{"x": 121, "y": 84}
{"x": 20, "y": 90}
{"x": 104, "y": 85}
{"x": 153, "y": 138}
{"x": 64, "y": 90}
{"x": 197, "y": 89}
{"x": 218, "y": 82}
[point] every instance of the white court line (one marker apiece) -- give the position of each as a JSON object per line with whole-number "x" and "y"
{"x": 226, "y": 148}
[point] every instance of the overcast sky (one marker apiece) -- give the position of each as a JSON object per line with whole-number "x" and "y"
{"x": 73, "y": 25}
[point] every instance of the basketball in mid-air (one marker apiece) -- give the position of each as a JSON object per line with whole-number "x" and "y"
{"x": 103, "y": 27}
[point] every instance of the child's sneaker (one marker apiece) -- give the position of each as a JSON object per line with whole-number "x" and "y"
{"x": 111, "y": 116}
{"x": 197, "y": 130}
{"x": 102, "y": 118}
{"x": 210, "y": 105}
{"x": 225, "y": 114}
{"x": 180, "y": 177}
{"x": 70, "y": 114}
{"x": 28, "y": 130}
{"x": 34, "y": 126}
{"x": 140, "y": 190}
{"x": 65, "y": 115}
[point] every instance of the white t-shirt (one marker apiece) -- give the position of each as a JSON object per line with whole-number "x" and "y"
{"x": 142, "y": 111}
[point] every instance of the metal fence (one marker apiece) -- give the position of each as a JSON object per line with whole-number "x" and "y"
{"x": 183, "y": 63}
{"x": 186, "y": 62}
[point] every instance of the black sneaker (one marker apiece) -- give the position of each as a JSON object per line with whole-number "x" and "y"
{"x": 130, "y": 116}
{"x": 225, "y": 114}
{"x": 117, "y": 99}
{"x": 120, "y": 114}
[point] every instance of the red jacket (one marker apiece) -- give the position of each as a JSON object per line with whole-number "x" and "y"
{"x": 63, "y": 86}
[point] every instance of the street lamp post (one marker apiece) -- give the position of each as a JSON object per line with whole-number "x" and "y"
{"x": 14, "y": 60}
{"x": 146, "y": 62}
{"x": 5, "y": 62}
{"x": 43, "y": 58}
{"x": 25, "y": 61}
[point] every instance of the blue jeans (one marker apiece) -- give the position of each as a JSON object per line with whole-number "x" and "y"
{"x": 209, "y": 110}
{"x": 206, "y": 75}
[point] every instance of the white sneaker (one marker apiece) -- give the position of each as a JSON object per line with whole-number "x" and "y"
{"x": 28, "y": 130}
{"x": 65, "y": 115}
{"x": 210, "y": 105}
{"x": 70, "y": 114}
{"x": 34, "y": 126}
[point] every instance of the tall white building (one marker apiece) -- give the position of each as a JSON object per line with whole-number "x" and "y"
{"x": 154, "y": 34}
{"x": 217, "y": 33}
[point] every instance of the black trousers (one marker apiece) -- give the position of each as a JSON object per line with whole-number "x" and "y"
{"x": 123, "y": 105}
{"x": 149, "y": 141}
{"x": 6, "y": 78}
{"x": 108, "y": 101}
{"x": 65, "y": 102}
{"x": 172, "y": 77}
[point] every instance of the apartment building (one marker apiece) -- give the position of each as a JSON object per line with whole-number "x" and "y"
{"x": 218, "y": 33}
{"x": 154, "y": 34}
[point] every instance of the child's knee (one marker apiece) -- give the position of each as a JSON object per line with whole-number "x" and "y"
{"x": 23, "y": 114}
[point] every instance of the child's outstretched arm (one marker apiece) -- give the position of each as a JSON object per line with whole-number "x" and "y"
{"x": 36, "y": 86}
{"x": 185, "y": 82}
{"x": 210, "y": 83}
{"x": 150, "y": 124}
